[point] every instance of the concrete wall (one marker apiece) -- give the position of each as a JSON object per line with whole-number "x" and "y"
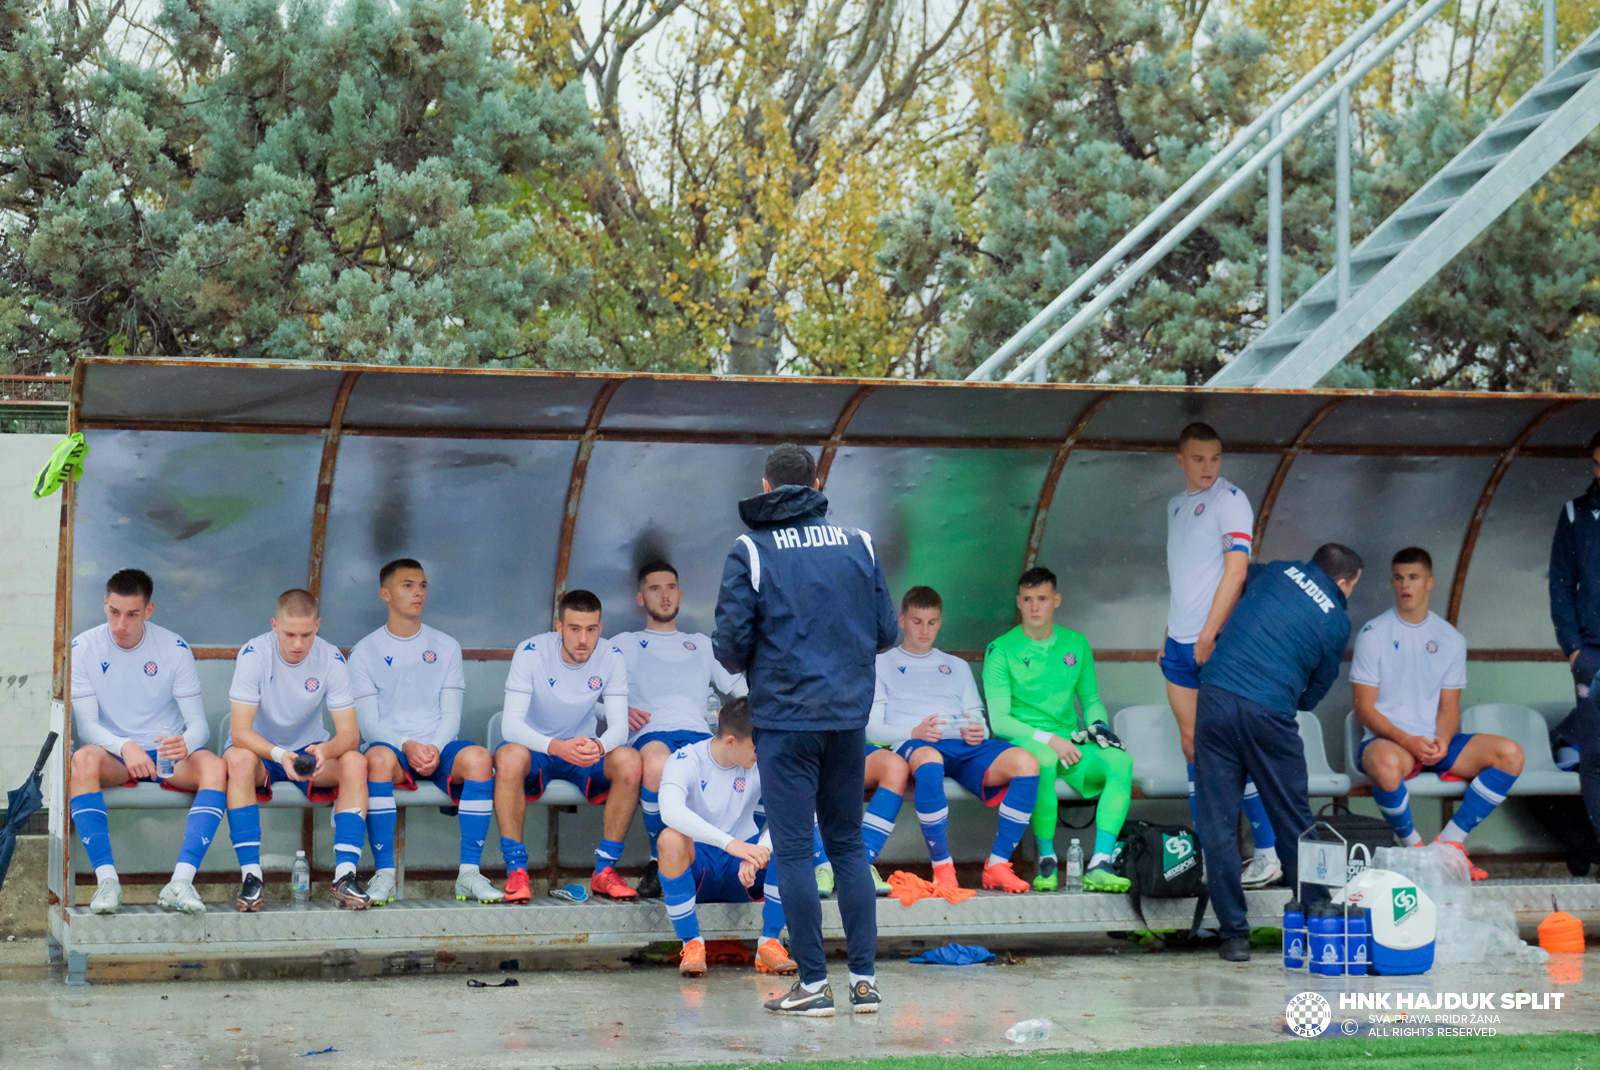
{"x": 28, "y": 532}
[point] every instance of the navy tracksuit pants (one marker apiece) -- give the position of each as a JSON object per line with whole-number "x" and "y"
{"x": 1582, "y": 730}
{"x": 821, "y": 773}
{"x": 1235, "y": 738}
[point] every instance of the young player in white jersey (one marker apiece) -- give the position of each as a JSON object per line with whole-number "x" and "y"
{"x": 282, "y": 681}
{"x": 136, "y": 702}
{"x": 1407, "y": 674}
{"x": 1209, "y": 533}
{"x": 670, "y": 675}
{"x": 556, "y": 682}
{"x": 409, "y": 686}
{"x": 713, "y": 849}
{"x": 927, "y": 712}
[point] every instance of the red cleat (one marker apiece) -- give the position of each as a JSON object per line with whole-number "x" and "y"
{"x": 609, "y": 883}
{"x": 1001, "y": 878}
{"x": 944, "y": 875}
{"x": 517, "y": 886}
{"x": 1477, "y": 874}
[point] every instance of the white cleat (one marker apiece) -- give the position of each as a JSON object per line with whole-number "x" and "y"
{"x": 180, "y": 896}
{"x": 474, "y": 885}
{"x": 1261, "y": 871}
{"x": 108, "y": 897}
{"x": 382, "y": 887}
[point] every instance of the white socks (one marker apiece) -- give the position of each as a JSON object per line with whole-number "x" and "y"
{"x": 1269, "y": 853}
{"x": 252, "y": 868}
{"x": 183, "y": 872}
{"x": 105, "y": 873}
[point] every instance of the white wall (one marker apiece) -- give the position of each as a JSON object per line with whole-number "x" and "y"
{"x": 28, "y": 532}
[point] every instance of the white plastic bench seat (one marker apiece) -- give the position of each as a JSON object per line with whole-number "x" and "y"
{"x": 1151, "y": 735}
{"x": 1524, "y": 725}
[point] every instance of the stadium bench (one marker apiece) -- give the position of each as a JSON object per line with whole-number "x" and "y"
{"x": 1321, "y": 780}
{"x": 1160, "y": 772}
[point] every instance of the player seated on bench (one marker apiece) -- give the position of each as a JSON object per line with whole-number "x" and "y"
{"x": 927, "y": 715}
{"x": 556, "y": 681}
{"x": 714, "y": 848}
{"x": 136, "y": 701}
{"x": 408, "y": 686}
{"x": 1407, "y": 674}
{"x": 282, "y": 680}
{"x": 670, "y": 674}
{"x": 1031, "y": 675}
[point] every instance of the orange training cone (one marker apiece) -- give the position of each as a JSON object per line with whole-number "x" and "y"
{"x": 1561, "y": 932}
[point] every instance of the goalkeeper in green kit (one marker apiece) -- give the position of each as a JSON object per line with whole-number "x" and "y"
{"x": 1030, "y": 676}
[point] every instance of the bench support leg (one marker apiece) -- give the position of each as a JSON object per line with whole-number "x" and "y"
{"x": 552, "y": 845}
{"x": 307, "y": 835}
{"x": 54, "y": 954}
{"x": 77, "y": 968}
{"x": 400, "y": 854}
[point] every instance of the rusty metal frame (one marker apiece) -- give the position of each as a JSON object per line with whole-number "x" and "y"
{"x": 580, "y": 471}
{"x": 1281, "y": 474}
{"x": 836, "y": 439}
{"x": 330, "y": 462}
{"x": 1058, "y": 464}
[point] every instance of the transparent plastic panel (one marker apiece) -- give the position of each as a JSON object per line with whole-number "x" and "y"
{"x": 384, "y": 398}
{"x": 1143, "y": 416}
{"x": 1571, "y": 427}
{"x": 483, "y": 517}
{"x": 221, "y": 522}
{"x": 968, "y": 411}
{"x": 1429, "y": 420}
{"x": 205, "y": 393}
{"x": 771, "y": 407}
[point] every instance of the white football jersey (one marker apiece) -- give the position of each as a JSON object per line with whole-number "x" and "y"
{"x": 727, "y": 797}
{"x": 1202, "y": 528}
{"x": 407, "y": 676}
{"x": 136, "y": 690}
{"x": 562, "y": 697}
{"x": 670, "y": 676}
{"x": 913, "y": 688}
{"x": 1409, "y": 664}
{"x": 289, "y": 699}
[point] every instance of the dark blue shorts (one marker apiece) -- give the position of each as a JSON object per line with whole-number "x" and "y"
{"x": 441, "y": 772}
{"x": 1178, "y": 664}
{"x": 589, "y": 779}
{"x": 964, "y": 763}
{"x": 276, "y": 772}
{"x": 145, "y": 779}
{"x": 716, "y": 877}
{"x": 675, "y": 741}
{"x": 1452, "y": 752}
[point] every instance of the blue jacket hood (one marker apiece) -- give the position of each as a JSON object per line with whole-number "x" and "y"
{"x": 783, "y": 505}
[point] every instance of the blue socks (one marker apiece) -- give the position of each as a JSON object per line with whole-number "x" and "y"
{"x": 606, "y": 854}
{"x": 1016, "y": 809}
{"x": 89, "y": 817}
{"x": 679, "y": 894}
{"x": 515, "y": 852}
{"x": 349, "y": 833}
{"x": 1396, "y": 808}
{"x": 933, "y": 810}
{"x": 474, "y": 810}
{"x": 650, "y": 804}
{"x": 205, "y": 814}
{"x": 771, "y": 911}
{"x": 382, "y": 818}
{"x": 1487, "y": 790}
{"x": 1255, "y": 811}
{"x": 878, "y": 821}
{"x": 244, "y": 827}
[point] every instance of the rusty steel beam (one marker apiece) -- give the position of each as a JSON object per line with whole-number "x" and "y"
{"x": 1469, "y": 542}
{"x": 580, "y": 469}
{"x": 831, "y": 447}
{"x": 1058, "y": 464}
{"x": 202, "y": 426}
{"x": 330, "y": 462}
{"x": 1286, "y": 462}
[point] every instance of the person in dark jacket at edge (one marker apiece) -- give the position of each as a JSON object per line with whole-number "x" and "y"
{"x": 803, "y": 612}
{"x": 1279, "y": 653}
{"x": 1575, "y": 611}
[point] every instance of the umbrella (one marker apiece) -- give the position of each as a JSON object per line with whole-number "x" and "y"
{"x": 21, "y": 805}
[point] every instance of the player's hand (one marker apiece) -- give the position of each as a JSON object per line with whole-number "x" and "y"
{"x": 747, "y": 873}
{"x": 573, "y": 751}
{"x": 972, "y": 734}
{"x": 931, "y": 730}
{"x": 138, "y": 762}
{"x": 752, "y": 853}
{"x": 1069, "y": 754}
{"x": 315, "y": 750}
{"x": 1573, "y": 657}
{"x": 174, "y": 747}
{"x": 637, "y": 718}
{"x": 1437, "y": 749}
{"x": 1203, "y": 647}
{"x": 422, "y": 757}
{"x": 288, "y": 766}
{"x": 1423, "y": 749}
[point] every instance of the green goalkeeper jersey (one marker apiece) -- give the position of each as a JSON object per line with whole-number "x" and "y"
{"x": 1030, "y": 685}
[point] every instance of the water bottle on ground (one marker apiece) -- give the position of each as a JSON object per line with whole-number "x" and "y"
{"x": 1032, "y": 1031}
{"x": 300, "y": 878}
{"x": 1294, "y": 935}
{"x": 1075, "y": 867}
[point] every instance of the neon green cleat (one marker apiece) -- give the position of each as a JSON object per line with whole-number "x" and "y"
{"x": 1101, "y": 879}
{"x": 879, "y": 885}
{"x": 66, "y": 462}
{"x": 1049, "y": 877}
{"x": 824, "y": 881}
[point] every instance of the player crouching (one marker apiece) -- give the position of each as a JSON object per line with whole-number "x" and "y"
{"x": 710, "y": 803}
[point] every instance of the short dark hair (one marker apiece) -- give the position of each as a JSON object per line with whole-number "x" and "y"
{"x": 131, "y": 581}
{"x": 1339, "y": 562}
{"x": 656, "y": 566}
{"x": 790, "y": 465}
{"x": 921, "y": 598}
{"x": 1037, "y": 576}
{"x": 734, "y": 719}
{"x": 299, "y": 603}
{"x": 579, "y": 601}
{"x": 1198, "y": 432}
{"x": 395, "y": 566}
{"x": 1594, "y": 443}
{"x": 1413, "y": 555}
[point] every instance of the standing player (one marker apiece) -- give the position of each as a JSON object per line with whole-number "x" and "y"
{"x": 556, "y": 681}
{"x": 281, "y": 682}
{"x": 713, "y": 848}
{"x": 1575, "y": 610}
{"x": 928, "y": 710}
{"x": 1031, "y": 674}
{"x": 670, "y": 673}
{"x": 136, "y": 700}
{"x": 1408, "y": 672}
{"x": 1208, "y": 549}
{"x": 409, "y": 686}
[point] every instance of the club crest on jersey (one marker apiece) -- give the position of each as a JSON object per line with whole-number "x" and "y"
{"x": 738, "y": 784}
{"x": 1199, "y": 508}
{"x": 1069, "y": 660}
{"x": 595, "y": 683}
{"x": 150, "y": 668}
{"x": 689, "y": 646}
{"x": 943, "y": 668}
{"x": 1433, "y": 647}
{"x": 312, "y": 683}
{"x": 429, "y": 656}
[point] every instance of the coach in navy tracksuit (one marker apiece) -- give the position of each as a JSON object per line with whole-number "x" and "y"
{"x": 803, "y": 612}
{"x": 1279, "y": 652}
{"x": 1575, "y": 610}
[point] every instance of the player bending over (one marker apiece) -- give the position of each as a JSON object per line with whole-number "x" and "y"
{"x": 556, "y": 681}
{"x": 670, "y": 674}
{"x": 928, "y": 711}
{"x": 1030, "y": 676}
{"x": 281, "y": 682}
{"x": 1407, "y": 675}
{"x": 408, "y": 687}
{"x": 713, "y": 848}
{"x": 135, "y": 701}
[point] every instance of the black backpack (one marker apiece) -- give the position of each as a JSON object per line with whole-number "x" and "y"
{"x": 1162, "y": 862}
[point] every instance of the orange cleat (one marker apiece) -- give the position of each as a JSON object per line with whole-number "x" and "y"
{"x": 609, "y": 883}
{"x": 772, "y": 958}
{"x": 692, "y": 959}
{"x": 1001, "y": 878}
{"x": 1477, "y": 874}
{"x": 944, "y": 875}
{"x": 517, "y": 886}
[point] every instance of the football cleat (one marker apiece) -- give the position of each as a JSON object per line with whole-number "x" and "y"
{"x": 180, "y": 896}
{"x": 609, "y": 883}
{"x": 381, "y": 888}
{"x": 474, "y": 885}
{"x": 1477, "y": 874}
{"x": 1000, "y": 877}
{"x": 107, "y": 898}
{"x": 1260, "y": 872}
{"x": 799, "y": 1003}
{"x": 650, "y": 881}
{"x": 250, "y": 891}
{"x": 772, "y": 958}
{"x": 825, "y": 881}
{"x": 1101, "y": 879}
{"x": 879, "y": 885}
{"x": 692, "y": 959}
{"x": 348, "y": 893}
{"x": 864, "y": 998}
{"x": 1049, "y": 877}
{"x": 517, "y": 890}
{"x": 944, "y": 875}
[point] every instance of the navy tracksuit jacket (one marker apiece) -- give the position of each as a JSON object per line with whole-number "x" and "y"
{"x": 1575, "y": 611}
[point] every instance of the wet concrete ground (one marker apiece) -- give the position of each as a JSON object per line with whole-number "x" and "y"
{"x": 601, "y": 1013}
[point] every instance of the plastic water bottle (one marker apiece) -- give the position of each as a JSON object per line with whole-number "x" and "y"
{"x": 165, "y": 766}
{"x": 1326, "y": 924}
{"x": 1075, "y": 867}
{"x": 1032, "y": 1031}
{"x": 300, "y": 878}
{"x": 1294, "y": 935}
{"x": 1358, "y": 939}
